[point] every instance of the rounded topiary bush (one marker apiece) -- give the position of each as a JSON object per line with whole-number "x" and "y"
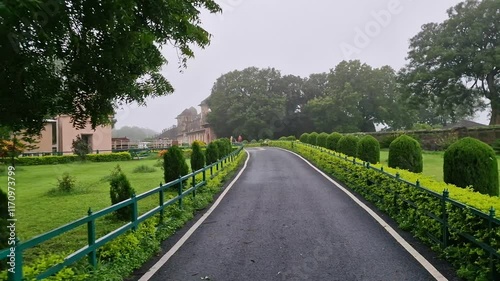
{"x": 291, "y": 138}
{"x": 304, "y": 138}
{"x": 197, "y": 157}
{"x": 405, "y": 153}
{"x": 321, "y": 140}
{"x": 332, "y": 140}
{"x": 369, "y": 149}
{"x": 212, "y": 153}
{"x": 174, "y": 164}
{"x": 313, "y": 138}
{"x": 471, "y": 162}
{"x": 348, "y": 145}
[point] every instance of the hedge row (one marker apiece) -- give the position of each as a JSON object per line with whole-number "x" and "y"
{"x": 50, "y": 160}
{"x": 392, "y": 196}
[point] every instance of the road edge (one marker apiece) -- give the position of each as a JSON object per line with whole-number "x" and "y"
{"x": 149, "y": 274}
{"x": 412, "y": 251}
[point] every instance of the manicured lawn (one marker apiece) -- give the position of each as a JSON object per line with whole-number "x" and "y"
{"x": 433, "y": 163}
{"x": 38, "y": 212}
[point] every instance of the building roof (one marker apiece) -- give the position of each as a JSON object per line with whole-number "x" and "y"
{"x": 464, "y": 123}
{"x": 188, "y": 112}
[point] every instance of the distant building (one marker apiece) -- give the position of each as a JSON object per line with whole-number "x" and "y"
{"x": 192, "y": 126}
{"x": 59, "y": 133}
{"x": 122, "y": 143}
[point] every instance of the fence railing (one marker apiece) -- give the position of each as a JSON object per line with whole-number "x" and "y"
{"x": 94, "y": 244}
{"x": 440, "y": 216}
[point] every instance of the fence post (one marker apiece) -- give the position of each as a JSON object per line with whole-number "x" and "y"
{"x": 444, "y": 227}
{"x": 134, "y": 212}
{"x": 91, "y": 240}
{"x": 204, "y": 175}
{"x": 194, "y": 184}
{"x": 493, "y": 271}
{"x": 211, "y": 171}
{"x": 162, "y": 198}
{"x": 222, "y": 164}
{"x": 179, "y": 191}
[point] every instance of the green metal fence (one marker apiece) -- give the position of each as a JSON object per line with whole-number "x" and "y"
{"x": 488, "y": 243}
{"x": 94, "y": 244}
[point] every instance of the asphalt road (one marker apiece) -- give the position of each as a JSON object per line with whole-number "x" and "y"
{"x": 283, "y": 221}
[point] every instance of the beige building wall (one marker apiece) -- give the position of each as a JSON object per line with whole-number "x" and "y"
{"x": 46, "y": 142}
{"x": 100, "y": 139}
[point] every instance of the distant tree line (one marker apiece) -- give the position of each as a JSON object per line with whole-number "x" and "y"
{"x": 452, "y": 71}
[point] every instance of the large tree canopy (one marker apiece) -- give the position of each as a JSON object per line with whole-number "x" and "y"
{"x": 83, "y": 58}
{"x": 356, "y": 98}
{"x": 456, "y": 64}
{"x": 247, "y": 103}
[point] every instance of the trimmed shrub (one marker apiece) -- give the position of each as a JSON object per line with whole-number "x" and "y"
{"x": 51, "y": 160}
{"x": 304, "y": 138}
{"x": 405, "y": 153}
{"x": 369, "y": 149}
{"x": 174, "y": 164}
{"x": 282, "y": 138}
{"x": 81, "y": 148}
{"x": 332, "y": 140}
{"x": 212, "y": 153}
{"x": 66, "y": 183}
{"x": 321, "y": 140}
{"x": 471, "y": 162}
{"x": 120, "y": 190}
{"x": 221, "y": 148}
{"x": 348, "y": 145}
{"x": 244, "y": 142}
{"x": 291, "y": 138}
{"x": 197, "y": 157}
{"x": 313, "y": 138}
{"x": 144, "y": 169}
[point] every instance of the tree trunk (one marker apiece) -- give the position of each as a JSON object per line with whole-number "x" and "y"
{"x": 495, "y": 112}
{"x": 494, "y": 99}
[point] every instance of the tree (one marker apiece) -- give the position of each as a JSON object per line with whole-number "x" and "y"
{"x": 81, "y": 147}
{"x": 247, "y": 103}
{"x": 356, "y": 98}
{"x": 84, "y": 58}
{"x": 14, "y": 144}
{"x": 456, "y": 64}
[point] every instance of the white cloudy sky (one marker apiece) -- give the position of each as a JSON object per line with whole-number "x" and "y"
{"x": 295, "y": 36}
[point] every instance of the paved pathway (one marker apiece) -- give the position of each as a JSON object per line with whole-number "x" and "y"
{"x": 283, "y": 221}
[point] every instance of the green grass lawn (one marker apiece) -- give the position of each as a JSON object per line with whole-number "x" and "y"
{"x": 38, "y": 212}
{"x": 433, "y": 163}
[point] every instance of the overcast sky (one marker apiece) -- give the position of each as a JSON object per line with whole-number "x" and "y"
{"x": 294, "y": 36}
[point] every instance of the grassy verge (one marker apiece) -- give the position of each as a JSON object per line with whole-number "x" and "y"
{"x": 38, "y": 212}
